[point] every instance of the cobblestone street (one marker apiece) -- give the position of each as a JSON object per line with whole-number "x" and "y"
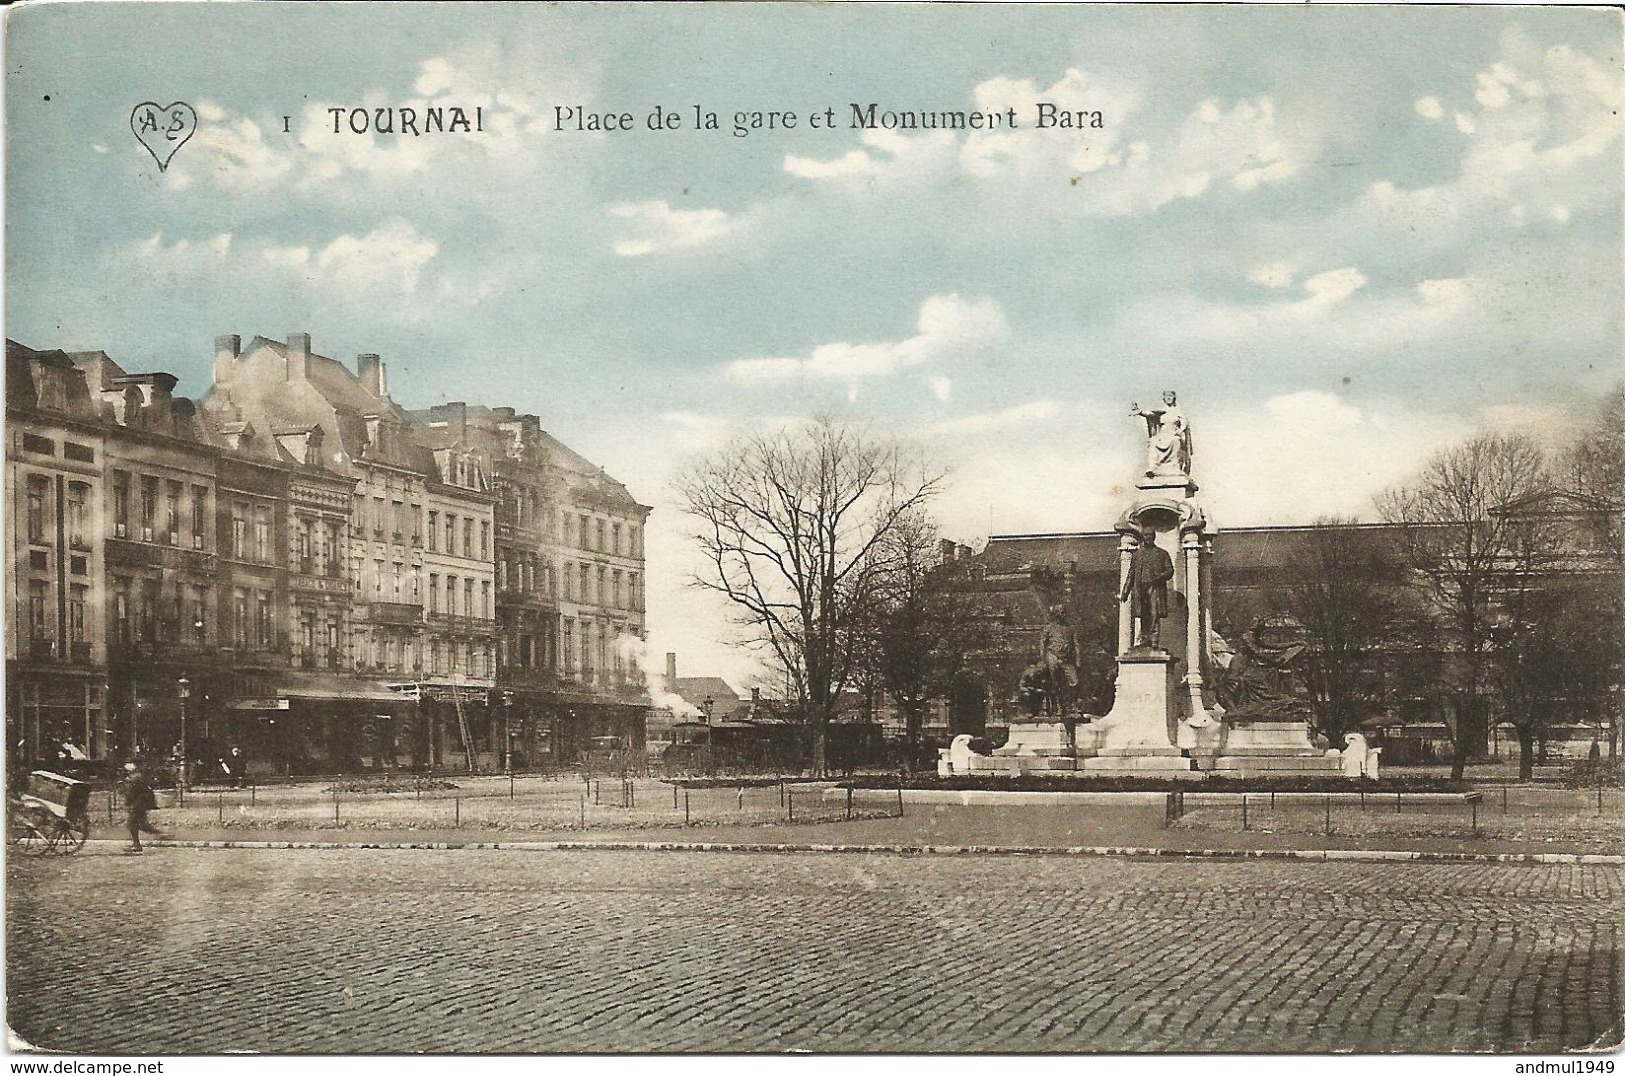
{"x": 474, "y": 951}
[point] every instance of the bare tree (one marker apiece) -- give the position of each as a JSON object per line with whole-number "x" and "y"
{"x": 1348, "y": 592}
{"x": 1595, "y": 463}
{"x": 920, "y": 624}
{"x": 796, "y": 526}
{"x": 1472, "y": 556}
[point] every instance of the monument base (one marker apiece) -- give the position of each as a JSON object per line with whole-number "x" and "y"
{"x": 1270, "y": 748}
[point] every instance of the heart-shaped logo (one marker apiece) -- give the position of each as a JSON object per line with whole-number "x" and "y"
{"x": 163, "y": 130}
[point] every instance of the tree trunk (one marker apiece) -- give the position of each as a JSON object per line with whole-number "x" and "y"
{"x": 820, "y": 764}
{"x": 1526, "y": 752}
{"x": 1459, "y": 743}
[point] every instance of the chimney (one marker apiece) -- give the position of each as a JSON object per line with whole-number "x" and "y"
{"x": 755, "y": 696}
{"x": 671, "y": 670}
{"x": 370, "y": 368}
{"x": 945, "y": 549}
{"x": 298, "y": 356}
{"x": 457, "y": 413}
{"x": 964, "y": 551}
{"x": 226, "y": 350}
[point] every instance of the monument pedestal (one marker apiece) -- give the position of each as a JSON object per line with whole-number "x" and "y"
{"x": 1271, "y": 749}
{"x": 1134, "y": 737}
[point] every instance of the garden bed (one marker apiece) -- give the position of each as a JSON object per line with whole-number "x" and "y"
{"x": 1200, "y": 783}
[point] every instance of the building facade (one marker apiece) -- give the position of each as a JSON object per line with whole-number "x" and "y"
{"x": 297, "y": 567}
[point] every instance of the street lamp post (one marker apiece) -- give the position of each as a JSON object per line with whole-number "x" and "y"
{"x": 185, "y": 688}
{"x": 507, "y": 732}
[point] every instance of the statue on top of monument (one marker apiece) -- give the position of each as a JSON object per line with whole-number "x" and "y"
{"x": 1150, "y": 569}
{"x": 1168, "y": 448}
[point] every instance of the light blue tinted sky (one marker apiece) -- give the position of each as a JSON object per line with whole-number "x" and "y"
{"x": 1346, "y": 236}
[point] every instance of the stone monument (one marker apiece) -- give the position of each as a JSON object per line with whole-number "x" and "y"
{"x": 1164, "y": 554}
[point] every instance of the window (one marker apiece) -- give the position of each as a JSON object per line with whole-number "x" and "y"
{"x": 601, "y": 594}
{"x": 38, "y": 490}
{"x": 35, "y": 443}
{"x": 334, "y": 552}
{"x": 586, "y": 649}
{"x": 378, "y": 580}
{"x": 76, "y": 613}
{"x": 434, "y": 592}
{"x": 400, "y": 527}
{"x": 146, "y": 611}
{"x": 78, "y": 501}
{"x": 569, "y": 645}
{"x": 451, "y": 533}
{"x": 149, "y": 507}
{"x": 631, "y": 541}
{"x": 434, "y": 655}
{"x": 468, "y": 597}
{"x": 569, "y": 582}
{"x": 485, "y": 598}
{"x": 38, "y": 590}
{"x": 200, "y": 515}
{"x": 468, "y": 538}
{"x": 194, "y": 614}
{"x": 263, "y": 635}
{"x": 172, "y": 513}
{"x": 239, "y": 617}
{"x": 434, "y": 532}
{"x": 600, "y": 536}
{"x": 616, "y": 591}
{"x": 633, "y": 599}
{"x": 121, "y": 504}
{"x": 582, "y": 539}
{"x": 417, "y": 524}
{"x": 451, "y": 595}
{"x": 378, "y": 514}
{"x": 417, "y": 582}
{"x": 586, "y": 595}
{"x": 262, "y": 534}
{"x": 239, "y": 530}
{"x": 79, "y": 453}
{"x": 485, "y": 539}
{"x": 615, "y": 532}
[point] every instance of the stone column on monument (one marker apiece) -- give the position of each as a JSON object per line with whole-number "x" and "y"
{"x": 1126, "y": 546}
{"x": 1198, "y": 600}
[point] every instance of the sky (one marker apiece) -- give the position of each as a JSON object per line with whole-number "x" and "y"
{"x": 1346, "y": 236}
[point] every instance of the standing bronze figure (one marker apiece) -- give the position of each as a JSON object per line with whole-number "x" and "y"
{"x": 1146, "y": 588}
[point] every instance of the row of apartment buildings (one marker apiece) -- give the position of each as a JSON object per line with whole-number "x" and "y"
{"x": 297, "y": 566}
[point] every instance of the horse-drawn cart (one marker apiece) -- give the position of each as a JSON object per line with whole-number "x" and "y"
{"x": 51, "y": 815}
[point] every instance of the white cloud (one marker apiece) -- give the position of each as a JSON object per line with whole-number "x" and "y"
{"x": 247, "y": 153}
{"x": 1429, "y": 108}
{"x": 1543, "y": 131}
{"x": 1242, "y": 145}
{"x": 1273, "y": 275}
{"x": 389, "y": 259}
{"x": 941, "y": 387}
{"x": 890, "y": 157}
{"x": 655, "y": 226}
{"x": 1021, "y": 416}
{"x": 948, "y": 325}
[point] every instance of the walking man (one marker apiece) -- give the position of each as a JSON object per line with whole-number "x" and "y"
{"x": 138, "y": 801}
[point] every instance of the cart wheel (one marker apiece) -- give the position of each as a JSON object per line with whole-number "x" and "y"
{"x": 24, "y": 836}
{"x": 73, "y": 834}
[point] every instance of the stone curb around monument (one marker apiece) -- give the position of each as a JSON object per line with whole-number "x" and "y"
{"x": 1321, "y": 855}
{"x": 981, "y": 797}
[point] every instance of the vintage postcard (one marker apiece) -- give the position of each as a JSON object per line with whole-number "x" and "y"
{"x": 842, "y": 528}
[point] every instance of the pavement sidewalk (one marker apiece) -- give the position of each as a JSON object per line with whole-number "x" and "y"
{"x": 1009, "y": 829}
